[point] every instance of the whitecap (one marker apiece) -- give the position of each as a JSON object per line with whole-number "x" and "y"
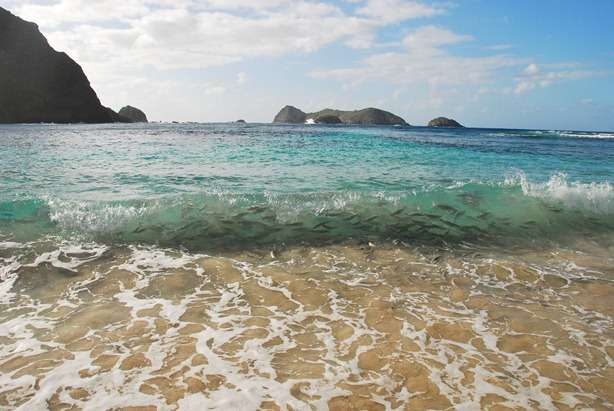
{"x": 594, "y": 196}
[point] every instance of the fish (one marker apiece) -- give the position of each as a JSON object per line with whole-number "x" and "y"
{"x": 447, "y": 208}
{"x": 322, "y": 224}
{"x": 460, "y": 213}
{"x": 451, "y": 224}
{"x": 469, "y": 198}
{"x": 256, "y": 209}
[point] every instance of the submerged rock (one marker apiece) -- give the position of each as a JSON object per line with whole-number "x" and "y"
{"x": 445, "y": 122}
{"x": 133, "y": 114}
{"x": 367, "y": 116}
{"x": 290, "y": 114}
{"x": 39, "y": 84}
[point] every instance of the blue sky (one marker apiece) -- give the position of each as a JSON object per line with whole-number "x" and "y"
{"x": 518, "y": 64}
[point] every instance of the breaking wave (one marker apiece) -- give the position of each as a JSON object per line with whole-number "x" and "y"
{"x": 476, "y": 212}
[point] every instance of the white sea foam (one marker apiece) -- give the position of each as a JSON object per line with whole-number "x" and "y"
{"x": 596, "y": 197}
{"x": 70, "y": 256}
{"x": 11, "y": 245}
{"x": 94, "y": 217}
{"x": 579, "y": 134}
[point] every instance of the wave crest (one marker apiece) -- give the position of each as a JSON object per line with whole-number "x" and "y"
{"x": 514, "y": 210}
{"x": 595, "y": 197}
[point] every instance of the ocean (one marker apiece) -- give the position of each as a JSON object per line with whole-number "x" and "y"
{"x": 305, "y": 267}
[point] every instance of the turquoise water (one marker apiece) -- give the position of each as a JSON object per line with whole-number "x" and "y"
{"x": 225, "y": 185}
{"x": 261, "y": 267}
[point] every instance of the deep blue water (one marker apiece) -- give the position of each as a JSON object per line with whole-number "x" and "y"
{"x": 204, "y": 185}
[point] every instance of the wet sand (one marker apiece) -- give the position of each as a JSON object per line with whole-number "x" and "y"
{"x": 345, "y": 327}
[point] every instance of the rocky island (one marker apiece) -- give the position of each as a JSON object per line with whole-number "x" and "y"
{"x": 41, "y": 85}
{"x": 444, "y": 122}
{"x": 291, "y": 115}
{"x": 367, "y": 116}
{"x": 133, "y": 114}
{"x": 328, "y": 119}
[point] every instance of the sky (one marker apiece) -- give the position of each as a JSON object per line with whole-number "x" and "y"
{"x": 545, "y": 64}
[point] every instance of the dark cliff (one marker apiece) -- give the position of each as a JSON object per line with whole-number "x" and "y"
{"x": 39, "y": 84}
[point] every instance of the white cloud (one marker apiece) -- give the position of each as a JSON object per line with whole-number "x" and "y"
{"x": 241, "y": 78}
{"x": 531, "y": 70}
{"x": 124, "y": 39}
{"x": 425, "y": 60}
{"x": 200, "y": 34}
{"x": 432, "y": 37}
{"x": 81, "y": 11}
{"x": 245, "y": 4}
{"x": 499, "y": 47}
{"x": 214, "y": 89}
{"x": 533, "y": 77}
{"x": 394, "y": 11}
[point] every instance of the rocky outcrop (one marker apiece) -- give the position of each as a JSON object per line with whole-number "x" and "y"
{"x": 133, "y": 114}
{"x": 39, "y": 84}
{"x": 327, "y": 119}
{"x": 116, "y": 118}
{"x": 445, "y": 122}
{"x": 291, "y": 115}
{"x": 241, "y": 121}
{"x": 367, "y": 116}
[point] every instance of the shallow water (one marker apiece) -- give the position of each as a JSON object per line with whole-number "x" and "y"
{"x": 290, "y": 267}
{"x": 344, "y": 327}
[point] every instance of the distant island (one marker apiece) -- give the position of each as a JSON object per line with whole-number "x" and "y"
{"x": 367, "y": 116}
{"x": 133, "y": 114}
{"x": 444, "y": 122}
{"x": 41, "y": 85}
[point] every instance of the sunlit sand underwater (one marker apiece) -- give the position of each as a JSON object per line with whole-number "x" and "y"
{"x": 458, "y": 289}
{"x": 348, "y": 327}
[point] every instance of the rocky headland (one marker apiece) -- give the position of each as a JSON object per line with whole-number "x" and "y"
{"x": 39, "y": 84}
